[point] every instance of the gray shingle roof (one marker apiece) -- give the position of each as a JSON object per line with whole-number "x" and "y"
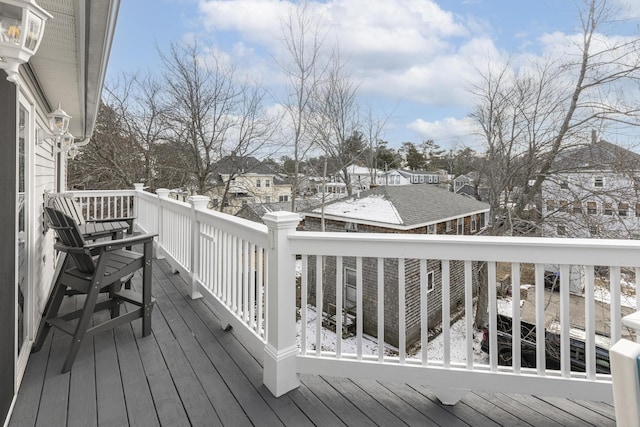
{"x": 601, "y": 155}
{"x": 420, "y": 204}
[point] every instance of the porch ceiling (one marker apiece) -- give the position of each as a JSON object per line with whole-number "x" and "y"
{"x": 71, "y": 62}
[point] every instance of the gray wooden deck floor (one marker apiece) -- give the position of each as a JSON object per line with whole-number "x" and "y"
{"x": 191, "y": 372}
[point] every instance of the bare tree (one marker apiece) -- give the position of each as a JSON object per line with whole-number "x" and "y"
{"x": 112, "y": 159}
{"x": 303, "y": 39}
{"x": 336, "y": 118}
{"x": 213, "y": 113}
{"x": 528, "y": 116}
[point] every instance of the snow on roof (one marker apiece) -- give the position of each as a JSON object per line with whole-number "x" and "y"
{"x": 372, "y": 208}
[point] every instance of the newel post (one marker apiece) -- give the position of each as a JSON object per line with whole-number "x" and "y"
{"x": 138, "y": 187}
{"x": 280, "y": 373}
{"x": 197, "y": 203}
{"x": 163, "y": 194}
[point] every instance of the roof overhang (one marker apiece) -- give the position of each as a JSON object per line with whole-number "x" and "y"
{"x": 71, "y": 63}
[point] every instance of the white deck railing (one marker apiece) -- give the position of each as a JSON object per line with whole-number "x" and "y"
{"x": 247, "y": 271}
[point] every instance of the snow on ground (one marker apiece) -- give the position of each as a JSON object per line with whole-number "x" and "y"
{"x": 435, "y": 347}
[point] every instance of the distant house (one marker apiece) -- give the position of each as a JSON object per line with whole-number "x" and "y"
{"x": 392, "y": 177}
{"x": 469, "y": 185}
{"x": 593, "y": 191}
{"x": 251, "y": 181}
{"x": 421, "y": 176}
{"x": 412, "y": 209}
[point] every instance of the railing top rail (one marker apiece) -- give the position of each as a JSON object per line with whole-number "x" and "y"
{"x": 480, "y": 248}
{"x": 105, "y": 193}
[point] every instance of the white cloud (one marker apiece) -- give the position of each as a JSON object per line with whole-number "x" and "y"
{"x": 449, "y": 132}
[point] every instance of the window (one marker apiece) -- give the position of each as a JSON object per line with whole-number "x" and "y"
{"x": 284, "y": 198}
{"x": 561, "y": 231}
{"x": 592, "y": 208}
{"x": 431, "y": 229}
{"x": 598, "y": 182}
{"x": 267, "y": 183}
{"x": 551, "y": 205}
{"x": 608, "y": 210}
{"x": 431, "y": 280}
{"x": 564, "y": 206}
{"x": 214, "y": 203}
{"x": 623, "y": 209}
{"x": 258, "y": 184}
{"x": 638, "y": 210}
{"x": 564, "y": 184}
{"x": 449, "y": 225}
{"x": 351, "y": 227}
{"x": 460, "y": 225}
{"x": 349, "y": 290}
{"x": 577, "y": 207}
{"x": 473, "y": 223}
{"x": 482, "y": 220}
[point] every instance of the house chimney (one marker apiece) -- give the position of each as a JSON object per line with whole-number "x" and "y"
{"x": 594, "y": 138}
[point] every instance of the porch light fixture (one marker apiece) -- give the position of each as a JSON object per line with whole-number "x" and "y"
{"x": 58, "y": 126}
{"x": 21, "y": 29}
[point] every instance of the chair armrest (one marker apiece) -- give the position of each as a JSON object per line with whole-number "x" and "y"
{"x": 126, "y": 218}
{"x": 112, "y": 245}
{"x": 69, "y": 249}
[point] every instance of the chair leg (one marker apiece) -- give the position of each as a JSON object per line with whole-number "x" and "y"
{"x": 51, "y": 310}
{"x": 81, "y": 326}
{"x": 147, "y": 305}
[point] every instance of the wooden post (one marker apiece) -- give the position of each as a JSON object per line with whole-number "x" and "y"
{"x": 280, "y": 373}
{"x": 197, "y": 203}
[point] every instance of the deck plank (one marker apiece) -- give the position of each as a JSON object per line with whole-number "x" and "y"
{"x": 385, "y": 412}
{"x": 138, "y": 399}
{"x": 464, "y": 412}
{"x": 55, "y": 391}
{"x": 112, "y": 410}
{"x": 28, "y": 401}
{"x": 197, "y": 406}
{"x": 83, "y": 409}
{"x": 177, "y": 313}
{"x": 587, "y": 415}
{"x": 348, "y": 412}
{"x": 393, "y": 393}
{"x": 236, "y": 366}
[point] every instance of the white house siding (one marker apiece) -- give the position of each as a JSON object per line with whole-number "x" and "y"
{"x": 569, "y": 200}
{"x": 44, "y": 181}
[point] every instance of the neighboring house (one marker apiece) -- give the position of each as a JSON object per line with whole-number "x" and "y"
{"x": 410, "y": 209}
{"x": 469, "y": 185}
{"x": 251, "y": 182}
{"x": 593, "y": 191}
{"x": 460, "y": 181}
{"x": 255, "y": 211}
{"x": 392, "y": 177}
{"x": 421, "y": 177}
{"x": 68, "y": 70}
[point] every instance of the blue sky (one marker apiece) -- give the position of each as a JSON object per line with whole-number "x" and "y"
{"x": 413, "y": 59}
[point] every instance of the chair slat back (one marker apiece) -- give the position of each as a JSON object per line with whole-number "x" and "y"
{"x": 67, "y": 205}
{"x": 69, "y": 235}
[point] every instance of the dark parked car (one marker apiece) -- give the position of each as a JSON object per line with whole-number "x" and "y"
{"x": 552, "y": 347}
